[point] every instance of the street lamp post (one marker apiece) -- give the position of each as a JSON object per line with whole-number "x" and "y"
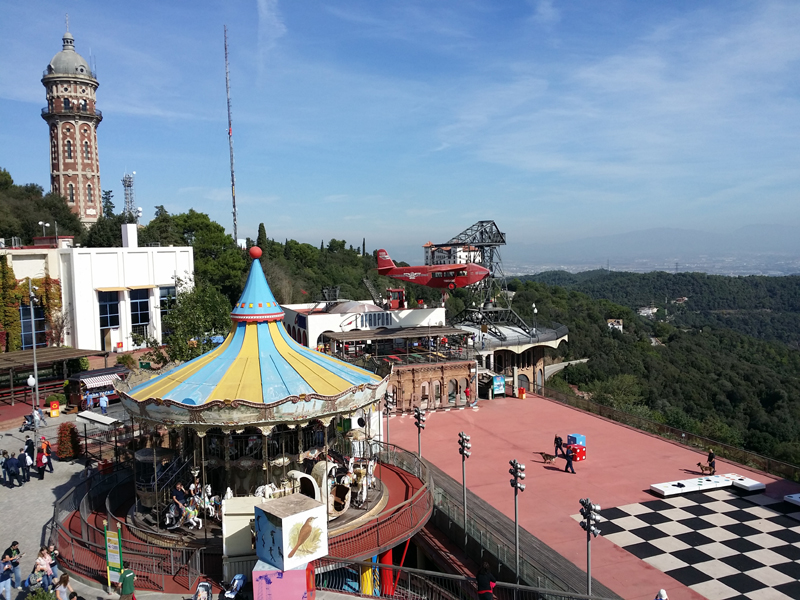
{"x": 463, "y": 449}
{"x": 419, "y": 421}
{"x": 589, "y": 513}
{"x": 43, "y": 224}
{"x": 35, "y": 376}
{"x": 517, "y": 472}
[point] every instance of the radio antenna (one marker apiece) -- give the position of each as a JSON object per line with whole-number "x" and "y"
{"x": 230, "y": 138}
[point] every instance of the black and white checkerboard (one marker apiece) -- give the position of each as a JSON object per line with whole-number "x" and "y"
{"x": 724, "y": 544}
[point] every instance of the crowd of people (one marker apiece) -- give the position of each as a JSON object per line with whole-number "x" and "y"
{"x": 44, "y": 574}
{"x": 17, "y": 467}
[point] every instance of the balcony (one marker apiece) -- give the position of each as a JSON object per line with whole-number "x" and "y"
{"x": 74, "y": 110}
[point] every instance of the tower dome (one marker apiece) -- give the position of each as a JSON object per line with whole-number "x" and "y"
{"x": 69, "y": 62}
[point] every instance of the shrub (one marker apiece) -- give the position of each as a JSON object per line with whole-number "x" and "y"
{"x": 69, "y": 445}
{"x": 127, "y": 361}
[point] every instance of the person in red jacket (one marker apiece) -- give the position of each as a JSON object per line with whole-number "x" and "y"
{"x": 41, "y": 462}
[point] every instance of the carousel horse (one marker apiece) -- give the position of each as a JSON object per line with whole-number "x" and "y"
{"x": 208, "y": 503}
{"x": 172, "y": 516}
{"x": 190, "y": 517}
{"x": 266, "y": 491}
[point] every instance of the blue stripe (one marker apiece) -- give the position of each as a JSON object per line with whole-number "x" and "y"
{"x": 278, "y": 377}
{"x": 197, "y": 388}
{"x": 327, "y": 362}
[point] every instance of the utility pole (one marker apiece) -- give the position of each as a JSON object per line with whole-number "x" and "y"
{"x": 230, "y": 139}
{"x": 419, "y": 421}
{"x": 31, "y": 301}
{"x": 517, "y": 472}
{"x": 463, "y": 449}
{"x": 589, "y": 513}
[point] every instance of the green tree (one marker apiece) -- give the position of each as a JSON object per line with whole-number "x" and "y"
{"x": 162, "y": 229}
{"x": 201, "y": 312}
{"x": 108, "y": 204}
{"x": 261, "y": 239}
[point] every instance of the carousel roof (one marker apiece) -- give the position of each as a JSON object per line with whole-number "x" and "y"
{"x": 258, "y": 362}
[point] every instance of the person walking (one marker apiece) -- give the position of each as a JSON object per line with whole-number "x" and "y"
{"x": 37, "y": 421}
{"x": 41, "y": 416}
{"x": 13, "y": 467}
{"x": 14, "y": 553}
{"x": 30, "y": 448}
{"x": 103, "y": 403}
{"x": 6, "y": 572}
{"x": 24, "y": 465}
{"x": 712, "y": 460}
{"x": 48, "y": 450}
{"x": 63, "y": 588}
{"x": 486, "y": 582}
{"x": 3, "y": 458}
{"x": 559, "y": 444}
{"x": 126, "y": 589}
{"x": 41, "y": 462}
{"x": 569, "y": 457}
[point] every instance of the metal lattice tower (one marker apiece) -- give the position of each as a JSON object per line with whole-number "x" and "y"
{"x": 489, "y": 304}
{"x": 130, "y": 197}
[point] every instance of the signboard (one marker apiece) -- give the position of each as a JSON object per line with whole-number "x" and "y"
{"x": 55, "y": 409}
{"x": 498, "y": 384}
{"x": 113, "y": 553}
{"x": 290, "y": 531}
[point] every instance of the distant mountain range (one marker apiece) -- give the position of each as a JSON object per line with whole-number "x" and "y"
{"x": 777, "y": 243}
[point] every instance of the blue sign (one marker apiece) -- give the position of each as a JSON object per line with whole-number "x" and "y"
{"x": 499, "y": 384}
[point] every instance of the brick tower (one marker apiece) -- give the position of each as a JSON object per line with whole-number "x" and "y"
{"x": 73, "y": 119}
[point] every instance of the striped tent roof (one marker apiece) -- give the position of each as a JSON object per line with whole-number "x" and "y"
{"x": 257, "y": 363}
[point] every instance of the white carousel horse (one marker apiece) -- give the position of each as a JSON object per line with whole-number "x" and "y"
{"x": 371, "y": 473}
{"x": 266, "y": 491}
{"x": 228, "y": 494}
{"x": 208, "y": 503}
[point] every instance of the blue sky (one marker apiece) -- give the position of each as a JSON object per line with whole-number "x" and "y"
{"x": 408, "y": 121}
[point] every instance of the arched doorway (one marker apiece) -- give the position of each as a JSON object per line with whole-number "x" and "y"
{"x": 452, "y": 391}
{"x": 539, "y": 381}
{"x": 523, "y": 382}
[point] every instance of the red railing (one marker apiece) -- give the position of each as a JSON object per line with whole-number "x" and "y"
{"x": 395, "y": 524}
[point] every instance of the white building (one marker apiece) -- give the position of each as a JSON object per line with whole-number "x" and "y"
{"x": 106, "y": 293}
{"x": 450, "y": 255}
{"x": 307, "y": 322}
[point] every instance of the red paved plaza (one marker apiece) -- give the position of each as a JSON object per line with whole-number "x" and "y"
{"x": 621, "y": 464}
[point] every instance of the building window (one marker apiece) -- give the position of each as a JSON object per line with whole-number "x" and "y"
{"x": 140, "y": 311}
{"x": 67, "y": 104}
{"x": 109, "y": 309}
{"x": 69, "y": 149}
{"x": 72, "y": 193}
{"x": 89, "y": 193}
{"x": 86, "y": 150}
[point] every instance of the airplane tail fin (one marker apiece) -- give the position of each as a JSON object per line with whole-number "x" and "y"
{"x": 384, "y": 262}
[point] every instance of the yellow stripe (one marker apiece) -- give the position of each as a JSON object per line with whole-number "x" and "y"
{"x": 341, "y": 363}
{"x": 161, "y": 387}
{"x": 242, "y": 381}
{"x": 319, "y": 378}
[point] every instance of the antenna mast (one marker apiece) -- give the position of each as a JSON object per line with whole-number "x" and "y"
{"x": 230, "y": 138}
{"x": 130, "y": 198}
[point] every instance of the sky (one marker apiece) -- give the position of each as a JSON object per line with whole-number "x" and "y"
{"x": 407, "y": 121}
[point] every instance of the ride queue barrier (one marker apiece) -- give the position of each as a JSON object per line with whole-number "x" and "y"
{"x": 346, "y": 577}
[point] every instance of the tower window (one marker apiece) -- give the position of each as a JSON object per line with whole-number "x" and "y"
{"x": 69, "y": 149}
{"x": 67, "y": 104}
{"x": 72, "y": 193}
{"x": 89, "y": 193}
{"x": 86, "y": 150}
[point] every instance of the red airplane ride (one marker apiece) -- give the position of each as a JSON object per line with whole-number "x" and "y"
{"x": 436, "y": 276}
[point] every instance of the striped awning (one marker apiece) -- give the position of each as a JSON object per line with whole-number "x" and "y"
{"x": 100, "y": 381}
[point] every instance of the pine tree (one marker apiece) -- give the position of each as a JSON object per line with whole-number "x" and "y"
{"x": 261, "y": 239}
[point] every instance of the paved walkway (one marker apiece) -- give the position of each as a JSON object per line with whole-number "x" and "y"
{"x": 27, "y": 510}
{"x": 621, "y": 464}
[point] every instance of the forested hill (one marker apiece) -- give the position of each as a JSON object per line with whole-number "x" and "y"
{"x": 763, "y": 307}
{"x": 712, "y": 381}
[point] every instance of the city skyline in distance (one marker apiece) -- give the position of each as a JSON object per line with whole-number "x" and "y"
{"x": 404, "y": 123}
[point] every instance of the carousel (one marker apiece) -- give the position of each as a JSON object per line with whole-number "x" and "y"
{"x": 260, "y": 415}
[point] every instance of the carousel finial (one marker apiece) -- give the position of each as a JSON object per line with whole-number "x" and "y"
{"x": 255, "y": 252}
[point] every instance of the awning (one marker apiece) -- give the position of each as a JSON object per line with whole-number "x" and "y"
{"x": 142, "y": 287}
{"x": 100, "y": 381}
{"x": 111, "y": 289}
{"x": 87, "y": 417}
{"x": 356, "y": 335}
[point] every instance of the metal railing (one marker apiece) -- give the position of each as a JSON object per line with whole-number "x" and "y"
{"x": 394, "y": 524}
{"x": 73, "y": 110}
{"x": 375, "y": 580}
{"x": 82, "y": 543}
{"x": 722, "y": 450}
